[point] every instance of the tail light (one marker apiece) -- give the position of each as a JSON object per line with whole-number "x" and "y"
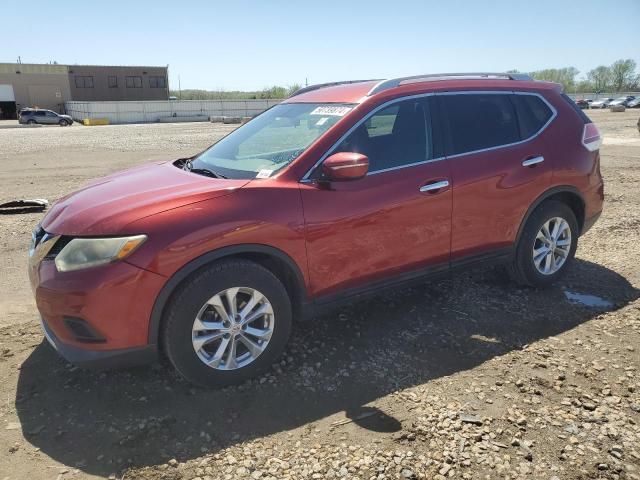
{"x": 591, "y": 137}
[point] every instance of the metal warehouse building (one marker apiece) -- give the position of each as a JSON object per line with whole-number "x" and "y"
{"x": 49, "y": 86}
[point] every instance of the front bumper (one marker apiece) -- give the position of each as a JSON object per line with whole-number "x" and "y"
{"x": 96, "y": 317}
{"x": 96, "y": 359}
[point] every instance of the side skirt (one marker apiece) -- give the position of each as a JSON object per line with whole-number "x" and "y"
{"x": 330, "y": 302}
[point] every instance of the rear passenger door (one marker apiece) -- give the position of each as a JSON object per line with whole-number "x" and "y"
{"x": 499, "y": 165}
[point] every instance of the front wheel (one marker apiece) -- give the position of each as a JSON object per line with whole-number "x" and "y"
{"x": 547, "y": 245}
{"x": 63, "y": 123}
{"x": 227, "y": 323}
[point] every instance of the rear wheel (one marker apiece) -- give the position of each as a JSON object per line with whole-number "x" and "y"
{"x": 547, "y": 245}
{"x": 227, "y": 323}
{"x": 31, "y": 122}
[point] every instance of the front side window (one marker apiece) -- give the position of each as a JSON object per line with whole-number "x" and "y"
{"x": 271, "y": 141}
{"x": 395, "y": 136}
{"x": 479, "y": 121}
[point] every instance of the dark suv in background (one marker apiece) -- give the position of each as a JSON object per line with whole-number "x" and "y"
{"x": 31, "y": 116}
{"x": 339, "y": 191}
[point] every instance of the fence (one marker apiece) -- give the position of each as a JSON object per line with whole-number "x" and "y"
{"x": 597, "y": 96}
{"x": 153, "y": 111}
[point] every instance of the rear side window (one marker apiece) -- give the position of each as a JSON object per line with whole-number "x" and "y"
{"x": 533, "y": 114}
{"x": 479, "y": 121}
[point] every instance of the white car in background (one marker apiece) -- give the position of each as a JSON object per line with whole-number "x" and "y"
{"x": 622, "y": 101}
{"x": 602, "y": 103}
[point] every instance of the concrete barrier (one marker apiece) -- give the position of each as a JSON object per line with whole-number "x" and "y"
{"x": 231, "y": 119}
{"x": 89, "y": 122}
{"x": 190, "y": 118}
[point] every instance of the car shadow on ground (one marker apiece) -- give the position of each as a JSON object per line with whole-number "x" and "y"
{"x": 104, "y": 422}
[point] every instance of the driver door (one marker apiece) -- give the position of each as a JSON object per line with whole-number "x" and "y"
{"x": 391, "y": 224}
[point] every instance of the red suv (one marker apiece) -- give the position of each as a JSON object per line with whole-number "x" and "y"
{"x": 340, "y": 190}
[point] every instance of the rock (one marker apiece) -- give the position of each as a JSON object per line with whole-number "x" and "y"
{"x": 407, "y": 473}
{"x": 465, "y": 418}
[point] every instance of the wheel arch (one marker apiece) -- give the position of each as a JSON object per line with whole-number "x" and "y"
{"x": 275, "y": 260}
{"x": 567, "y": 194}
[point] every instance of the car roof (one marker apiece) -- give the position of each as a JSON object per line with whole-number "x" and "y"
{"x": 358, "y": 91}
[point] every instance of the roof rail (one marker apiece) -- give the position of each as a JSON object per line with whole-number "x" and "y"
{"x": 394, "y": 82}
{"x": 318, "y": 86}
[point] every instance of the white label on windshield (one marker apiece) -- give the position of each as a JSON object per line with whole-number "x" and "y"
{"x": 336, "y": 111}
{"x": 322, "y": 121}
{"x": 264, "y": 173}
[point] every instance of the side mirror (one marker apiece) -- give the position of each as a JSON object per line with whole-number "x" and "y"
{"x": 345, "y": 166}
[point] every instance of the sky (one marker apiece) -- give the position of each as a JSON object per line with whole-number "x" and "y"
{"x": 250, "y": 45}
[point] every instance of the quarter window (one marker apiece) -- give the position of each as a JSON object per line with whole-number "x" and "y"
{"x": 479, "y": 121}
{"x": 133, "y": 82}
{"x": 112, "y": 81}
{"x": 395, "y": 136}
{"x": 533, "y": 114}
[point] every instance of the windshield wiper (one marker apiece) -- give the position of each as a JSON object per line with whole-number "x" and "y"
{"x": 207, "y": 172}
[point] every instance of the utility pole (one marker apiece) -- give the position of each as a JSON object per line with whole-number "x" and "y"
{"x": 179, "y": 89}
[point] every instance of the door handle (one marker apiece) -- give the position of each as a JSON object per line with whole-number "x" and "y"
{"x": 433, "y": 187}
{"x": 530, "y": 162}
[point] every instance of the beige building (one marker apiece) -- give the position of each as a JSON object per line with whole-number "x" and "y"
{"x": 49, "y": 86}
{"x": 105, "y": 83}
{"x": 26, "y": 85}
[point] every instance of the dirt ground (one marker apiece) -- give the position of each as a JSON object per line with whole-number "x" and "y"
{"x": 466, "y": 377}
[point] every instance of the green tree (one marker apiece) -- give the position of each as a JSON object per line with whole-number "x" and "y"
{"x": 623, "y": 74}
{"x": 600, "y": 78}
{"x": 293, "y": 88}
{"x": 565, "y": 76}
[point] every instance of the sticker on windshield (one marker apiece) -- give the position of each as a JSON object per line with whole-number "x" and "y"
{"x": 322, "y": 121}
{"x": 264, "y": 173}
{"x": 336, "y": 111}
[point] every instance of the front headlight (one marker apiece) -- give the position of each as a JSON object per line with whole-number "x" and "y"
{"x": 89, "y": 252}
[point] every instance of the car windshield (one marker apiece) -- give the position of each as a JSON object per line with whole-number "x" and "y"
{"x": 271, "y": 141}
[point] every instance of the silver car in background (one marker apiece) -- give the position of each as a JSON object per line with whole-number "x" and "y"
{"x": 31, "y": 116}
{"x": 602, "y": 103}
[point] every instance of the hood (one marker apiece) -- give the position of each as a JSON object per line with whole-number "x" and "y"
{"x": 106, "y": 206}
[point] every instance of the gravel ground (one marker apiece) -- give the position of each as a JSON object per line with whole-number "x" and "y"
{"x": 466, "y": 377}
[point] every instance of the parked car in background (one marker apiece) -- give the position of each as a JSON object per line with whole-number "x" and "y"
{"x": 583, "y": 103}
{"x": 602, "y": 103}
{"x": 635, "y": 103}
{"x": 30, "y": 116}
{"x": 340, "y": 190}
{"x": 624, "y": 101}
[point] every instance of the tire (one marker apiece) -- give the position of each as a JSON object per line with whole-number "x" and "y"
{"x": 189, "y": 304}
{"x": 63, "y": 123}
{"x": 31, "y": 122}
{"x": 523, "y": 268}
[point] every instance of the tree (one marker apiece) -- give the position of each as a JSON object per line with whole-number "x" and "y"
{"x": 293, "y": 88}
{"x": 600, "y": 78}
{"x": 565, "y": 76}
{"x": 623, "y": 74}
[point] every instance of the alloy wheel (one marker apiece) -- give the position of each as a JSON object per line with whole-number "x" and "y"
{"x": 233, "y": 328}
{"x": 552, "y": 246}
